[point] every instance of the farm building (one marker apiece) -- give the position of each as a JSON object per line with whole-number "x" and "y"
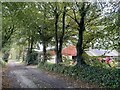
{"x": 70, "y": 53}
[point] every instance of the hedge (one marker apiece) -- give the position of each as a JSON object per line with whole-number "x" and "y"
{"x": 108, "y": 78}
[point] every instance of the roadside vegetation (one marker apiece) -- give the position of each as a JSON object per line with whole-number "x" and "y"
{"x": 2, "y": 62}
{"x": 102, "y": 77}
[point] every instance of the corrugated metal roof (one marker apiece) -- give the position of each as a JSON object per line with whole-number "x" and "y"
{"x": 96, "y": 52}
{"x": 71, "y": 51}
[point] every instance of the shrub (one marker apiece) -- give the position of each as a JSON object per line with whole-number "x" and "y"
{"x": 2, "y": 63}
{"x": 100, "y": 76}
{"x": 93, "y": 61}
{"x": 31, "y": 58}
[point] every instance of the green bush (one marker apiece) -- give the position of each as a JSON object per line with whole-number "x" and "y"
{"x": 93, "y": 61}
{"x": 100, "y": 76}
{"x": 66, "y": 61}
{"x": 2, "y": 63}
{"x": 31, "y": 58}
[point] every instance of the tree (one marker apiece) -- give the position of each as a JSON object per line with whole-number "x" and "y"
{"x": 44, "y": 28}
{"x": 29, "y": 21}
{"x": 59, "y": 13}
{"x": 62, "y": 34}
{"x": 56, "y": 14}
{"x": 17, "y": 21}
{"x": 8, "y": 25}
{"x": 82, "y": 9}
{"x": 107, "y": 37}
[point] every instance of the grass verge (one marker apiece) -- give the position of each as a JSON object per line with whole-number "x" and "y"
{"x": 107, "y": 78}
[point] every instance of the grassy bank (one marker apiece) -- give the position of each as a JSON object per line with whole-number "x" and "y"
{"x": 108, "y": 78}
{"x": 2, "y": 63}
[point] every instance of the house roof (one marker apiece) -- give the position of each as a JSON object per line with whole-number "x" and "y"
{"x": 69, "y": 51}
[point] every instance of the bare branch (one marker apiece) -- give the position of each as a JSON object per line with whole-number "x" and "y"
{"x": 73, "y": 18}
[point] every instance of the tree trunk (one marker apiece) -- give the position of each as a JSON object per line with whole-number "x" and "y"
{"x": 58, "y": 57}
{"x": 63, "y": 33}
{"x": 44, "y": 52}
{"x": 29, "y": 56}
{"x": 31, "y": 44}
{"x": 56, "y": 36}
{"x": 60, "y": 52}
{"x": 79, "y": 48}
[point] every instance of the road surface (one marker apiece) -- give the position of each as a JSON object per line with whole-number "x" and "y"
{"x": 19, "y": 75}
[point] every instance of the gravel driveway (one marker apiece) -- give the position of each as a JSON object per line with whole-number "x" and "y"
{"x": 22, "y": 76}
